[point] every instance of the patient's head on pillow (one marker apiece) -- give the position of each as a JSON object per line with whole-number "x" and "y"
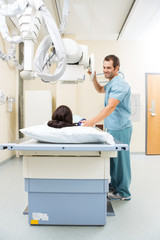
{"x": 62, "y": 117}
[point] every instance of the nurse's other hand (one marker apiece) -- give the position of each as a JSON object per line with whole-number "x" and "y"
{"x": 89, "y": 72}
{"x": 87, "y": 123}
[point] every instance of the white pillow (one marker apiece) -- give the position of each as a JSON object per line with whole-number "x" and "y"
{"x": 75, "y": 134}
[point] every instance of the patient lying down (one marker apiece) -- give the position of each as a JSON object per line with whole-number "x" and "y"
{"x": 61, "y": 129}
{"x": 62, "y": 117}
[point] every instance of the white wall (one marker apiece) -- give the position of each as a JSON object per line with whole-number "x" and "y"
{"x": 8, "y": 121}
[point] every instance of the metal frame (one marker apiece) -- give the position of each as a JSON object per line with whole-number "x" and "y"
{"x": 33, "y": 145}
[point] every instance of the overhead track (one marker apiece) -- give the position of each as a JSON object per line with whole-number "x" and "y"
{"x": 131, "y": 10}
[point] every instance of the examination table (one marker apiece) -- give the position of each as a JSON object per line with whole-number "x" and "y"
{"x": 67, "y": 184}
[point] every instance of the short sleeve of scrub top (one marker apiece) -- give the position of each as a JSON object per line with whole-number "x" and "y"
{"x": 118, "y": 90}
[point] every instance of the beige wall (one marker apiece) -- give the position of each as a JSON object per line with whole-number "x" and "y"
{"x": 136, "y": 59}
{"x": 132, "y": 59}
{"x": 38, "y": 84}
{"x": 89, "y": 102}
{"x": 8, "y": 121}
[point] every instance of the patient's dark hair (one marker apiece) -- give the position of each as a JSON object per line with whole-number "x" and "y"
{"x": 62, "y": 117}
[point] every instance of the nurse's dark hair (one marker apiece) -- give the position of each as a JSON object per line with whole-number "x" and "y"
{"x": 62, "y": 117}
{"x": 114, "y": 58}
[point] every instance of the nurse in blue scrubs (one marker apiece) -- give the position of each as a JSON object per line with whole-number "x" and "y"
{"x": 116, "y": 115}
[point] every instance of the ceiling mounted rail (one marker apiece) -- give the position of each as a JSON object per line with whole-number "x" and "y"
{"x": 131, "y": 10}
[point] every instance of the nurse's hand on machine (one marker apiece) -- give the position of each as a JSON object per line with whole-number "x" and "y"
{"x": 90, "y": 73}
{"x": 87, "y": 123}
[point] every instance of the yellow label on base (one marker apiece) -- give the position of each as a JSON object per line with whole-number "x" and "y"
{"x": 34, "y": 221}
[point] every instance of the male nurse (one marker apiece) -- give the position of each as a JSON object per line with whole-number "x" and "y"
{"x": 116, "y": 115}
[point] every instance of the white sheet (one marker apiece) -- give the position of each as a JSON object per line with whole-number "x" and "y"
{"x": 74, "y": 134}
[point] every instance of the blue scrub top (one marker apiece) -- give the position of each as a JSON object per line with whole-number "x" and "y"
{"x": 119, "y": 89}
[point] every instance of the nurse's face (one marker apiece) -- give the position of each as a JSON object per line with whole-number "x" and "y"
{"x": 109, "y": 71}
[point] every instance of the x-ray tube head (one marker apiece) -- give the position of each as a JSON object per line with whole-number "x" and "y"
{"x": 73, "y": 51}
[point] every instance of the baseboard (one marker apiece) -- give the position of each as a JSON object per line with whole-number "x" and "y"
{"x": 137, "y": 153}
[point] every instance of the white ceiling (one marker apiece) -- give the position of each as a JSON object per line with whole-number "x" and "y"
{"x": 109, "y": 19}
{"x": 97, "y": 19}
{"x": 114, "y": 19}
{"x": 143, "y": 22}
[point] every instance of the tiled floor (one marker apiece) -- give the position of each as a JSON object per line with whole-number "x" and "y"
{"x": 137, "y": 219}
